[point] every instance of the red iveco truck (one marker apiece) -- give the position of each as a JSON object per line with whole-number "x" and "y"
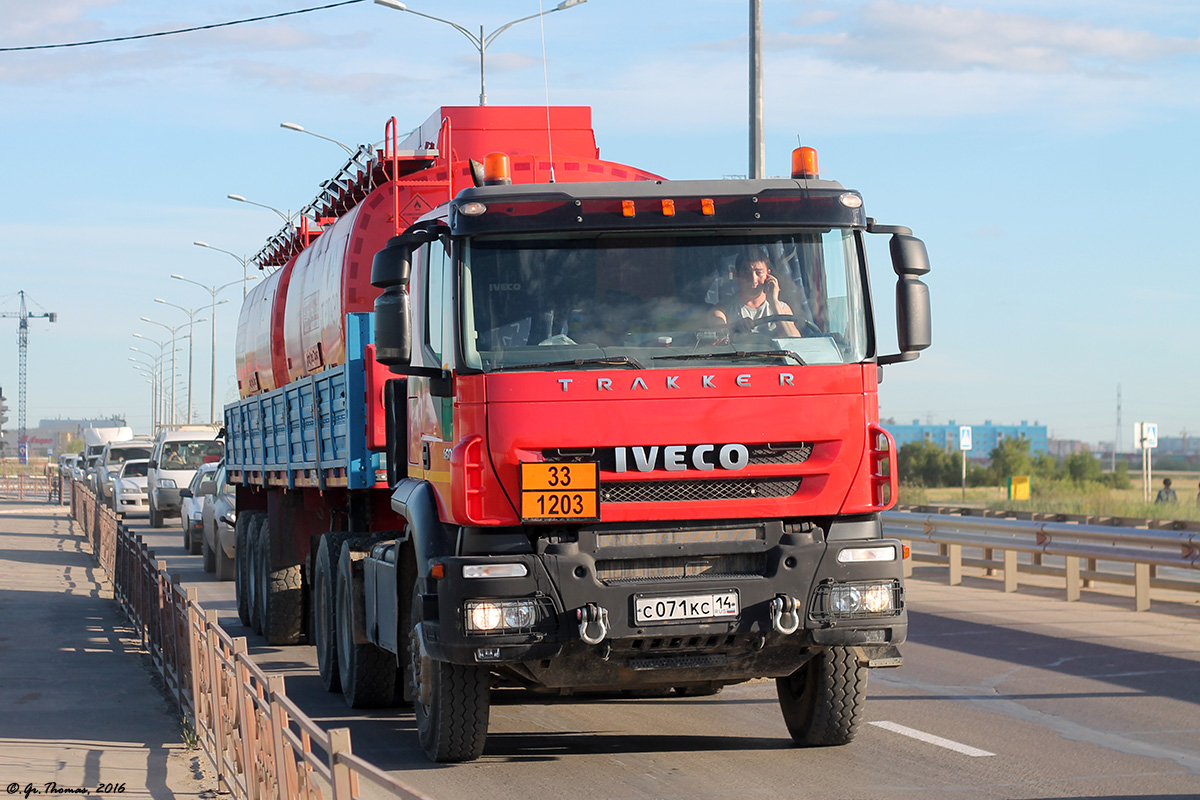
{"x": 513, "y": 415}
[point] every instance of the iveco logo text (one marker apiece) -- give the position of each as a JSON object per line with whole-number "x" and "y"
{"x": 679, "y": 457}
{"x": 504, "y": 287}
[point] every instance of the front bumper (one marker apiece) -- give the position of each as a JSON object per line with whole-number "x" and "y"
{"x": 607, "y": 571}
{"x": 167, "y": 501}
{"x": 132, "y": 503}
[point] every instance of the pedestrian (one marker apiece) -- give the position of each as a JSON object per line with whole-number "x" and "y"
{"x": 1165, "y": 494}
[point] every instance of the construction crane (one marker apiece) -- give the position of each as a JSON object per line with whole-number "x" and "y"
{"x": 23, "y": 317}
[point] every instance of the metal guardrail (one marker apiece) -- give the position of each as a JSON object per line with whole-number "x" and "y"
{"x": 1082, "y": 547}
{"x": 261, "y": 744}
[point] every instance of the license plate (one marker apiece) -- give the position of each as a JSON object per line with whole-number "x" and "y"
{"x": 560, "y": 491}
{"x": 674, "y": 608}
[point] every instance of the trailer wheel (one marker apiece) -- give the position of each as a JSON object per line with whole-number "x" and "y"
{"x": 244, "y": 534}
{"x": 323, "y": 626}
{"x": 280, "y": 600}
{"x": 823, "y": 700}
{"x": 451, "y": 701}
{"x": 368, "y": 672}
{"x": 254, "y": 536}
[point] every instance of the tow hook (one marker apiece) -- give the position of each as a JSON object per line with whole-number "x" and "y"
{"x": 784, "y": 616}
{"x": 593, "y": 623}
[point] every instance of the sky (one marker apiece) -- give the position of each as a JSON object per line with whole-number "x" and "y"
{"x": 1045, "y": 151}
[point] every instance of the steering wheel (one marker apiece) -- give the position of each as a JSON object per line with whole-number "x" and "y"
{"x": 807, "y": 328}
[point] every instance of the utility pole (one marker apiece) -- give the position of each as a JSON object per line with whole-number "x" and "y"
{"x": 23, "y": 317}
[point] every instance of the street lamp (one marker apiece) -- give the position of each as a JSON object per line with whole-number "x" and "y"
{"x": 213, "y": 290}
{"x": 291, "y": 126}
{"x": 481, "y": 42}
{"x": 191, "y": 314}
{"x": 173, "y": 351}
{"x": 286, "y": 217}
{"x": 243, "y": 260}
{"x": 160, "y": 362}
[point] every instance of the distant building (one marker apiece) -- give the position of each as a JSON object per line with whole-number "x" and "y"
{"x": 984, "y": 438}
{"x": 1061, "y": 448}
{"x": 54, "y": 435}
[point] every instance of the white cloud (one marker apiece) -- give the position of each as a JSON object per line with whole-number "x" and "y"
{"x": 915, "y": 37}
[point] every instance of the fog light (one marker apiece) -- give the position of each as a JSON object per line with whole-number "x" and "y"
{"x": 877, "y": 599}
{"x": 484, "y": 616}
{"x": 846, "y": 600}
{"x": 500, "y": 616}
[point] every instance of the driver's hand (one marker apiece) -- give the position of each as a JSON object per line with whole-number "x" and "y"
{"x": 772, "y": 289}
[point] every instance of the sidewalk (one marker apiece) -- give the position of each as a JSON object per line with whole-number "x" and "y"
{"x": 82, "y": 708}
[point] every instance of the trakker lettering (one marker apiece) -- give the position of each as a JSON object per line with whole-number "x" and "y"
{"x": 679, "y": 457}
{"x": 672, "y": 382}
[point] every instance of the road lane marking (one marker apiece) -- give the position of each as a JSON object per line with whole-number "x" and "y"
{"x": 929, "y": 738}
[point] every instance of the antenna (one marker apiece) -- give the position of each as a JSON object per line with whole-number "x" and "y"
{"x": 546, "y": 83}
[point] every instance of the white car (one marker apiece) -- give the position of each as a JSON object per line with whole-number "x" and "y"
{"x": 191, "y": 507}
{"x": 130, "y": 492}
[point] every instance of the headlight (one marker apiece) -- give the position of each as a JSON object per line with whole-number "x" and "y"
{"x": 857, "y": 600}
{"x": 166, "y": 483}
{"x": 500, "y": 616}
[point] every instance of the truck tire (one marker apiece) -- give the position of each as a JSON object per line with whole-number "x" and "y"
{"x": 156, "y": 517}
{"x": 254, "y": 536}
{"x": 210, "y": 557}
{"x": 323, "y": 626}
{"x": 823, "y": 700}
{"x": 367, "y": 672}
{"x": 451, "y": 702}
{"x": 280, "y": 600}
{"x": 243, "y": 535}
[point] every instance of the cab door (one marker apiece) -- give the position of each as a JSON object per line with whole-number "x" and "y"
{"x": 431, "y": 433}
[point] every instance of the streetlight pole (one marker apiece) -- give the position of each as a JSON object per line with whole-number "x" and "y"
{"x": 758, "y": 155}
{"x": 481, "y": 41}
{"x": 243, "y": 260}
{"x": 141, "y": 365}
{"x": 286, "y": 217}
{"x": 191, "y": 344}
{"x": 213, "y": 290}
{"x": 173, "y": 349}
{"x": 291, "y": 126}
{"x": 160, "y": 364}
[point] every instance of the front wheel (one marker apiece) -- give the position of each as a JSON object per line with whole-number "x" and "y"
{"x": 451, "y": 701}
{"x": 210, "y": 557}
{"x": 823, "y": 700}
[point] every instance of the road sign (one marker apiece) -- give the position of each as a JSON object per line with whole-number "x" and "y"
{"x": 1145, "y": 434}
{"x": 964, "y": 437}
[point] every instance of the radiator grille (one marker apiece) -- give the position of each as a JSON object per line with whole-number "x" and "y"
{"x": 697, "y": 491}
{"x": 636, "y": 570}
{"x": 786, "y": 453}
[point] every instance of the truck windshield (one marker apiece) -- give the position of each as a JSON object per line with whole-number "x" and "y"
{"x": 664, "y": 301}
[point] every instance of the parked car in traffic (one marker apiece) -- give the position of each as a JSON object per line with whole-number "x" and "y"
{"x": 219, "y": 519}
{"x": 177, "y": 454}
{"x": 115, "y": 454}
{"x": 191, "y": 506}
{"x": 130, "y": 493}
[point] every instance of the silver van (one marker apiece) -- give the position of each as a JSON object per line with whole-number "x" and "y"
{"x": 177, "y": 454}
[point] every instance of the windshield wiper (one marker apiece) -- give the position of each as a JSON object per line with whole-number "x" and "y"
{"x": 738, "y": 354}
{"x": 574, "y": 362}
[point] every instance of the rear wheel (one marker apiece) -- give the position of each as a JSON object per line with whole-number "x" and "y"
{"x": 243, "y": 535}
{"x": 280, "y": 604}
{"x": 210, "y": 557}
{"x": 224, "y": 564}
{"x": 823, "y": 700}
{"x": 323, "y": 627}
{"x": 187, "y": 538}
{"x": 367, "y": 672}
{"x": 451, "y": 701}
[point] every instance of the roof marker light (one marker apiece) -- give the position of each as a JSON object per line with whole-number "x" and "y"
{"x": 668, "y": 207}
{"x": 627, "y": 208}
{"x": 707, "y": 207}
{"x": 496, "y": 170}
{"x": 804, "y": 162}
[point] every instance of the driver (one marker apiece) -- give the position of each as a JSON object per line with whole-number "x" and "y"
{"x": 758, "y": 295}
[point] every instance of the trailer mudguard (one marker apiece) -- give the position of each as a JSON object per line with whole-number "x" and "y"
{"x": 414, "y": 501}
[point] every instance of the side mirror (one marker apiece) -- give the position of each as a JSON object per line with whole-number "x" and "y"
{"x": 914, "y": 326}
{"x": 390, "y": 270}
{"x": 185, "y": 492}
{"x": 153, "y": 464}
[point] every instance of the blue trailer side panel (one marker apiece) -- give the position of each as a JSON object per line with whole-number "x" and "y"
{"x": 310, "y": 430}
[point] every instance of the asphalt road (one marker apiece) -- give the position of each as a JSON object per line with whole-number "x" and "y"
{"x": 1000, "y": 696}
